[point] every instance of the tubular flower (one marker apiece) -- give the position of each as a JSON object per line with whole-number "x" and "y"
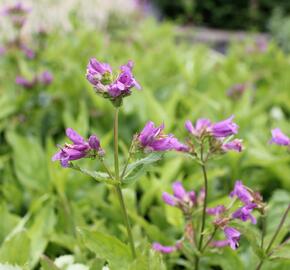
{"x": 216, "y": 210}
{"x": 180, "y": 198}
{"x": 224, "y": 128}
{"x": 163, "y": 249}
{"x": 25, "y": 82}
{"x": 279, "y": 138}
{"x": 79, "y": 149}
{"x": 152, "y": 138}
{"x": 244, "y": 213}
{"x": 100, "y": 75}
{"x": 235, "y": 145}
{"x": 241, "y": 192}
{"x": 233, "y": 237}
{"x": 201, "y": 127}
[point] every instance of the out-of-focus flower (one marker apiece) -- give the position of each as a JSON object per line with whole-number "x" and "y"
{"x": 45, "y": 78}
{"x": 233, "y": 237}
{"x": 25, "y": 82}
{"x": 216, "y": 210}
{"x": 237, "y": 90}
{"x": 224, "y": 128}
{"x": 279, "y": 138}
{"x": 242, "y": 193}
{"x": 79, "y": 149}
{"x": 2, "y": 50}
{"x": 27, "y": 51}
{"x": 152, "y": 138}
{"x": 17, "y": 13}
{"x": 201, "y": 127}
{"x": 244, "y": 213}
{"x": 235, "y": 145}
{"x": 163, "y": 249}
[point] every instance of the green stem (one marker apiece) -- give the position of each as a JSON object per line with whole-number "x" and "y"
{"x": 263, "y": 230}
{"x": 210, "y": 239}
{"x": 118, "y": 187}
{"x": 204, "y": 207}
{"x": 283, "y": 219}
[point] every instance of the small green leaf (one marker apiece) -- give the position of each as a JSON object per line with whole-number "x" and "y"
{"x": 136, "y": 169}
{"x": 107, "y": 247}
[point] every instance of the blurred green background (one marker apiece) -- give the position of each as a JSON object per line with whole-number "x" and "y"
{"x": 40, "y": 202}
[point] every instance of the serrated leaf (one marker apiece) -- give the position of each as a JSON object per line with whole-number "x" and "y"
{"x": 107, "y": 247}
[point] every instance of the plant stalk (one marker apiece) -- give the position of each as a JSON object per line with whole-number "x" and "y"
{"x": 283, "y": 219}
{"x": 118, "y": 186}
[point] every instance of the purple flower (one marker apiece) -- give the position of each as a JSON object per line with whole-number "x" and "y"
{"x": 224, "y": 128}
{"x": 201, "y": 126}
{"x": 79, "y": 149}
{"x": 45, "y": 78}
{"x": 235, "y": 145}
{"x": 244, "y": 213}
{"x": 180, "y": 198}
{"x": 216, "y": 210}
{"x": 24, "y": 82}
{"x": 169, "y": 199}
{"x": 233, "y": 237}
{"x": 2, "y": 50}
{"x": 152, "y": 138}
{"x": 242, "y": 193}
{"x": 27, "y": 51}
{"x": 163, "y": 249}
{"x": 237, "y": 90}
{"x": 124, "y": 82}
{"x": 219, "y": 243}
{"x": 17, "y": 12}
{"x": 98, "y": 73}
{"x": 278, "y": 137}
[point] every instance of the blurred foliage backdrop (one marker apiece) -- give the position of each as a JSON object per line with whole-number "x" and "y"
{"x": 41, "y": 203}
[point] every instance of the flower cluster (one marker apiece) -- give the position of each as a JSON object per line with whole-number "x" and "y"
{"x": 78, "y": 149}
{"x": 187, "y": 202}
{"x": 17, "y": 13}
{"x": 279, "y": 138}
{"x": 217, "y": 135}
{"x": 250, "y": 200}
{"x": 152, "y": 138}
{"x": 44, "y": 78}
{"x": 101, "y": 76}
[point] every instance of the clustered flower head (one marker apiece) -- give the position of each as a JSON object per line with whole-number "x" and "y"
{"x": 180, "y": 198}
{"x": 216, "y": 135}
{"x": 17, "y": 13}
{"x": 78, "y": 149}
{"x": 152, "y": 138}
{"x": 44, "y": 78}
{"x": 279, "y": 138}
{"x": 223, "y": 216}
{"x": 115, "y": 88}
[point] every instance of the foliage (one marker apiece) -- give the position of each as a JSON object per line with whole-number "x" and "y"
{"x": 42, "y": 204}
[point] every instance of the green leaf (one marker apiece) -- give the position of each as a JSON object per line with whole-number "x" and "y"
{"x": 47, "y": 264}
{"x": 16, "y": 250}
{"x": 282, "y": 252}
{"x": 98, "y": 176}
{"x": 136, "y": 169}
{"x": 107, "y": 247}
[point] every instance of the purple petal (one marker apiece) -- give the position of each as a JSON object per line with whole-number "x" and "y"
{"x": 74, "y": 136}
{"x": 178, "y": 190}
{"x": 163, "y": 249}
{"x": 168, "y": 199}
{"x": 279, "y": 138}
